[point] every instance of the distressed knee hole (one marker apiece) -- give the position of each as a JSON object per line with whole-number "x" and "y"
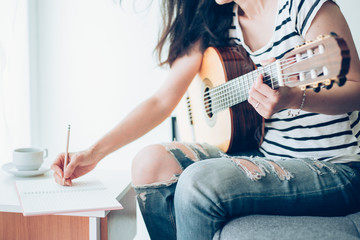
{"x": 249, "y": 165}
{"x": 319, "y": 167}
{"x": 200, "y": 148}
{"x": 190, "y": 151}
{"x": 282, "y": 173}
{"x": 253, "y": 171}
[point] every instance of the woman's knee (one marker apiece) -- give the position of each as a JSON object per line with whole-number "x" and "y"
{"x": 200, "y": 178}
{"x": 199, "y": 187}
{"x": 154, "y": 164}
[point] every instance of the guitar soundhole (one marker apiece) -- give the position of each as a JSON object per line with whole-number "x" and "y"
{"x": 208, "y": 103}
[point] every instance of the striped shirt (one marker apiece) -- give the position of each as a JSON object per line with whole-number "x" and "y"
{"x": 334, "y": 138}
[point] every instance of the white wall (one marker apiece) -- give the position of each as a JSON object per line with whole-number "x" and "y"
{"x": 350, "y": 10}
{"x": 91, "y": 63}
{"x": 14, "y": 78}
{"x": 95, "y": 63}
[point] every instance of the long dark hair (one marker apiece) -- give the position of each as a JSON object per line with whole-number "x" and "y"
{"x": 187, "y": 21}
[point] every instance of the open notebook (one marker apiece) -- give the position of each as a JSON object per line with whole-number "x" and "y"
{"x": 40, "y": 197}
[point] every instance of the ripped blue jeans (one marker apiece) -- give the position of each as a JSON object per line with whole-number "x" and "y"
{"x": 210, "y": 193}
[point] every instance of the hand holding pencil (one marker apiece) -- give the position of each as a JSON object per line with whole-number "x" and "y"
{"x": 68, "y": 166}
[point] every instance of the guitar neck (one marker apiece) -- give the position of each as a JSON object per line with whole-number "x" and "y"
{"x": 237, "y": 90}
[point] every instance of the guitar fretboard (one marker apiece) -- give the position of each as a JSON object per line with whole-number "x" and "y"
{"x": 237, "y": 90}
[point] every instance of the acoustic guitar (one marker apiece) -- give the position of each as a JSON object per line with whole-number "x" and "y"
{"x": 215, "y": 108}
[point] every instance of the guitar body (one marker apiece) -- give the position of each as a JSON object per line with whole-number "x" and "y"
{"x": 231, "y": 129}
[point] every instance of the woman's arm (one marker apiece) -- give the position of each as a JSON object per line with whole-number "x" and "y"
{"x": 338, "y": 100}
{"x": 141, "y": 120}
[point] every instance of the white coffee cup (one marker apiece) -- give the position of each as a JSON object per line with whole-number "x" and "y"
{"x": 29, "y": 159}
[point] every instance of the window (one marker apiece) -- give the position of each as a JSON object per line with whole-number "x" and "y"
{"x": 14, "y": 80}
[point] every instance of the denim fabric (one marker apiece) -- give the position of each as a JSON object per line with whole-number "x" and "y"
{"x": 156, "y": 201}
{"x": 210, "y": 193}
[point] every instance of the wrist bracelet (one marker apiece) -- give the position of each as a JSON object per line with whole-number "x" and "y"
{"x": 301, "y": 106}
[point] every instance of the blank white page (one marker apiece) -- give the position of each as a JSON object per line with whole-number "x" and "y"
{"x": 40, "y": 197}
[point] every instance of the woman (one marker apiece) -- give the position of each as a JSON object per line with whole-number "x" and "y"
{"x": 308, "y": 162}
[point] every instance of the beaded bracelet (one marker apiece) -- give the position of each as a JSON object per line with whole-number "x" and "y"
{"x": 301, "y": 106}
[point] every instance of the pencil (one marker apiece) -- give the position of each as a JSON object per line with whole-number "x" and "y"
{"x": 66, "y": 152}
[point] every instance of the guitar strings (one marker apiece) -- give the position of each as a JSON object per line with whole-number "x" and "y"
{"x": 215, "y": 96}
{"x": 216, "y": 93}
{"x": 211, "y": 98}
{"x": 288, "y": 62}
{"x": 219, "y": 102}
{"x": 245, "y": 77}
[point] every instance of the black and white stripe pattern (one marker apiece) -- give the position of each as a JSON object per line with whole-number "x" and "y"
{"x": 319, "y": 136}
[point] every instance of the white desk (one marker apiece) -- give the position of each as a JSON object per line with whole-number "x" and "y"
{"x": 98, "y": 221}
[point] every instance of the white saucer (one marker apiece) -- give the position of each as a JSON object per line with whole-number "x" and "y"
{"x": 10, "y": 168}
